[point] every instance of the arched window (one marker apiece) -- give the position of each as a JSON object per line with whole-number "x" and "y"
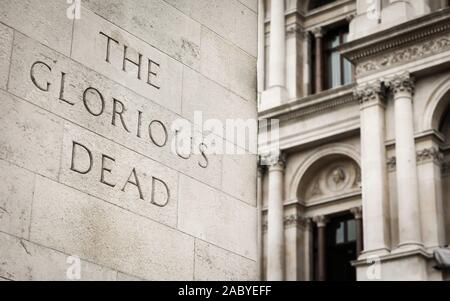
{"x": 313, "y": 4}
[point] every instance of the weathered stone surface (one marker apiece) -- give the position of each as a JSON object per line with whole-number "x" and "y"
{"x": 16, "y": 191}
{"x": 228, "y": 65}
{"x": 22, "y": 260}
{"x": 217, "y": 218}
{"x": 113, "y": 165}
{"x": 215, "y": 264}
{"x": 100, "y": 45}
{"x": 77, "y": 80}
{"x": 157, "y": 23}
{"x": 45, "y": 21}
{"x": 212, "y": 100}
{"x": 110, "y": 236}
{"x": 252, "y": 4}
{"x": 230, "y": 19}
{"x": 6, "y": 40}
{"x": 239, "y": 178}
{"x": 31, "y": 137}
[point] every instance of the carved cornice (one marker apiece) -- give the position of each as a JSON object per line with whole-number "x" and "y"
{"x": 407, "y": 42}
{"x": 370, "y": 92}
{"x": 401, "y": 83}
{"x": 404, "y": 55}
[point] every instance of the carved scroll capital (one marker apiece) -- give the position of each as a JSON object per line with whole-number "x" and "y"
{"x": 401, "y": 83}
{"x": 369, "y": 92}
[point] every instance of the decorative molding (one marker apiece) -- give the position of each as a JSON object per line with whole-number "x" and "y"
{"x": 392, "y": 163}
{"x": 403, "y": 82}
{"x": 430, "y": 154}
{"x": 294, "y": 220}
{"x": 404, "y": 34}
{"x": 405, "y": 55}
{"x": 370, "y": 92}
{"x": 318, "y": 32}
{"x": 320, "y": 107}
{"x": 321, "y": 221}
{"x": 422, "y": 156}
{"x": 274, "y": 160}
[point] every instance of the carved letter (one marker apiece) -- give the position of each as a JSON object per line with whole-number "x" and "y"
{"x": 139, "y": 124}
{"x": 72, "y": 167}
{"x": 61, "y": 89}
{"x": 102, "y": 178}
{"x": 125, "y": 60}
{"x": 151, "y": 136}
{"x": 159, "y": 204}
{"x": 108, "y": 44}
{"x": 33, "y": 78}
{"x": 116, "y": 112}
{"x": 100, "y": 96}
{"x": 135, "y": 183}
{"x": 152, "y": 73}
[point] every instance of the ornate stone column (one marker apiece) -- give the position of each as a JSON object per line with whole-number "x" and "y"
{"x": 275, "y": 233}
{"x": 405, "y": 150}
{"x": 318, "y": 35}
{"x": 321, "y": 222}
{"x": 357, "y": 213}
{"x": 259, "y": 201}
{"x": 373, "y": 168}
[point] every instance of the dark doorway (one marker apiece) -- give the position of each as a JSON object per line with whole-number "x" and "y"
{"x": 341, "y": 248}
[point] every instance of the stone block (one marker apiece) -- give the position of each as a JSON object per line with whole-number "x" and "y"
{"x": 16, "y": 190}
{"x": 217, "y": 218}
{"x": 215, "y": 264}
{"x": 228, "y": 65}
{"x": 6, "y": 40}
{"x": 44, "y": 21}
{"x": 31, "y": 137}
{"x": 157, "y": 23}
{"x": 67, "y": 220}
{"x": 22, "y": 260}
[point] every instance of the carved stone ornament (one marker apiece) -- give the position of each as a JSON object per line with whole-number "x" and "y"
{"x": 429, "y": 154}
{"x": 357, "y": 212}
{"x": 401, "y": 83}
{"x": 405, "y": 55}
{"x": 368, "y": 92}
{"x": 294, "y": 220}
{"x": 321, "y": 221}
{"x": 273, "y": 160}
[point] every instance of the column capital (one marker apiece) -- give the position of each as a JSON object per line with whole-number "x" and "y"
{"x": 369, "y": 92}
{"x": 318, "y": 32}
{"x": 274, "y": 160}
{"x": 403, "y": 82}
{"x": 357, "y": 212}
{"x": 321, "y": 221}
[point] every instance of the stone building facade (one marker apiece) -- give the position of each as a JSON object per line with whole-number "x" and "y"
{"x": 360, "y": 187}
{"x": 92, "y": 183}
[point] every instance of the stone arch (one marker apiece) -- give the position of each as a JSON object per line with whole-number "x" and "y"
{"x": 337, "y": 150}
{"x": 437, "y": 106}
